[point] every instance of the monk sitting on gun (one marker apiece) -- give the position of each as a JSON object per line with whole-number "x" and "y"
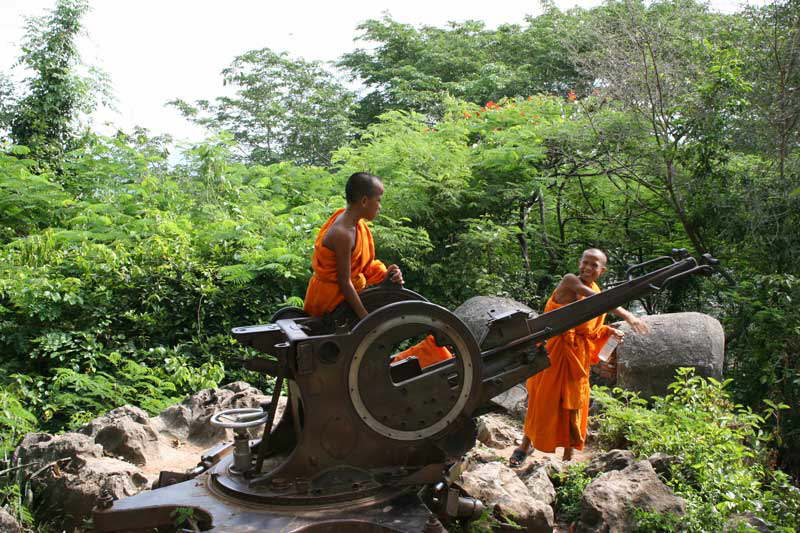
{"x": 344, "y": 262}
{"x": 558, "y": 397}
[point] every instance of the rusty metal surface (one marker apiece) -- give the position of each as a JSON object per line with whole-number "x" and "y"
{"x": 390, "y": 511}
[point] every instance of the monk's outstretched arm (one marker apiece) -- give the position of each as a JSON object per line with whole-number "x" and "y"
{"x": 342, "y": 244}
{"x": 637, "y": 324}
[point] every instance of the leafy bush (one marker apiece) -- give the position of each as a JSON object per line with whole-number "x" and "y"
{"x": 570, "y": 485}
{"x": 724, "y": 456}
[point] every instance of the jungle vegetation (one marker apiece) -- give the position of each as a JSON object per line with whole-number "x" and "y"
{"x": 634, "y": 126}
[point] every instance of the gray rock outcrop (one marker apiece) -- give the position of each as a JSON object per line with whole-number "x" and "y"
{"x": 662, "y": 463}
{"x": 647, "y": 363}
{"x": 68, "y": 471}
{"x": 126, "y": 433}
{"x": 609, "y": 499}
{"x": 189, "y": 420}
{"x": 496, "y": 432}
{"x": 608, "y": 461}
{"x": 539, "y": 485}
{"x": 499, "y": 488}
{"x": 552, "y": 466}
{"x": 8, "y": 523}
{"x": 513, "y": 402}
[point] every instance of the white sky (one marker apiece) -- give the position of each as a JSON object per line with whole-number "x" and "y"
{"x": 157, "y": 50}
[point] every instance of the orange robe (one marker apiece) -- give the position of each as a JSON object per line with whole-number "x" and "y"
{"x": 564, "y": 385}
{"x": 323, "y": 293}
{"x": 427, "y": 351}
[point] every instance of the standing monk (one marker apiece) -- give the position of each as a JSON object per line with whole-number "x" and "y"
{"x": 558, "y": 396}
{"x": 344, "y": 262}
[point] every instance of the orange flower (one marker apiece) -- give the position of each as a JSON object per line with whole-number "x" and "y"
{"x": 491, "y": 105}
{"x": 467, "y": 114}
{"x": 571, "y": 96}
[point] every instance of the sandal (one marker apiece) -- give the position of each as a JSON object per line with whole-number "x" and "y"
{"x": 518, "y": 457}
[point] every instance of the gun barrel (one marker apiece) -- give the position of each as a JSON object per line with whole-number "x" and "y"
{"x": 509, "y": 349}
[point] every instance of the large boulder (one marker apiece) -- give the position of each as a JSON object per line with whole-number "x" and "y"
{"x": 609, "y": 499}
{"x": 647, "y": 363}
{"x": 126, "y": 433}
{"x": 67, "y": 472}
{"x": 499, "y": 488}
{"x": 478, "y": 311}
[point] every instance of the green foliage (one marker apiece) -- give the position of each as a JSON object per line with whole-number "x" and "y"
{"x": 763, "y": 360}
{"x": 652, "y": 522}
{"x": 570, "y": 485}
{"x": 411, "y": 67}
{"x": 724, "y": 461}
{"x": 11, "y": 499}
{"x": 284, "y": 109}
{"x": 15, "y": 421}
{"x": 45, "y": 117}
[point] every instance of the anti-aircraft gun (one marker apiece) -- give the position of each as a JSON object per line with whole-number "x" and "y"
{"x": 365, "y": 444}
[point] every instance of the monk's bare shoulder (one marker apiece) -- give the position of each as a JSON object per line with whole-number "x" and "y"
{"x": 566, "y": 291}
{"x": 339, "y": 238}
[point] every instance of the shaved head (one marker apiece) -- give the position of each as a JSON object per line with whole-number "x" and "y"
{"x": 596, "y": 252}
{"x": 361, "y": 184}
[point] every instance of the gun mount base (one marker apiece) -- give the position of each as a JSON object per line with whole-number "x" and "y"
{"x": 202, "y": 505}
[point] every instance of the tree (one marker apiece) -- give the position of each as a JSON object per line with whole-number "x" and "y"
{"x": 664, "y": 63}
{"x": 411, "y": 67}
{"x": 46, "y": 116}
{"x": 284, "y": 109}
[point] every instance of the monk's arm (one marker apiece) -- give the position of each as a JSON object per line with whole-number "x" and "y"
{"x": 342, "y": 243}
{"x": 637, "y": 324}
{"x": 570, "y": 288}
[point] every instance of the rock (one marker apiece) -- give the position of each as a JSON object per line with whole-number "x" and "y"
{"x": 552, "y": 467}
{"x": 478, "y": 311}
{"x": 125, "y": 432}
{"x": 478, "y": 455}
{"x": 663, "y": 462}
{"x": 746, "y": 522}
{"x": 539, "y": 485}
{"x": 608, "y": 500}
{"x": 499, "y": 488}
{"x": 189, "y": 420}
{"x": 514, "y": 401}
{"x": 8, "y": 524}
{"x": 67, "y": 473}
{"x": 611, "y": 460}
{"x": 496, "y": 432}
{"x": 647, "y": 363}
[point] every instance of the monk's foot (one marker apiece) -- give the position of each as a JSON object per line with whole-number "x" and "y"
{"x": 520, "y": 454}
{"x": 567, "y": 454}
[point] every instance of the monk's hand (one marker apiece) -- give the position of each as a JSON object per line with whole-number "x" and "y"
{"x": 394, "y": 274}
{"x": 618, "y": 333}
{"x": 638, "y": 325}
